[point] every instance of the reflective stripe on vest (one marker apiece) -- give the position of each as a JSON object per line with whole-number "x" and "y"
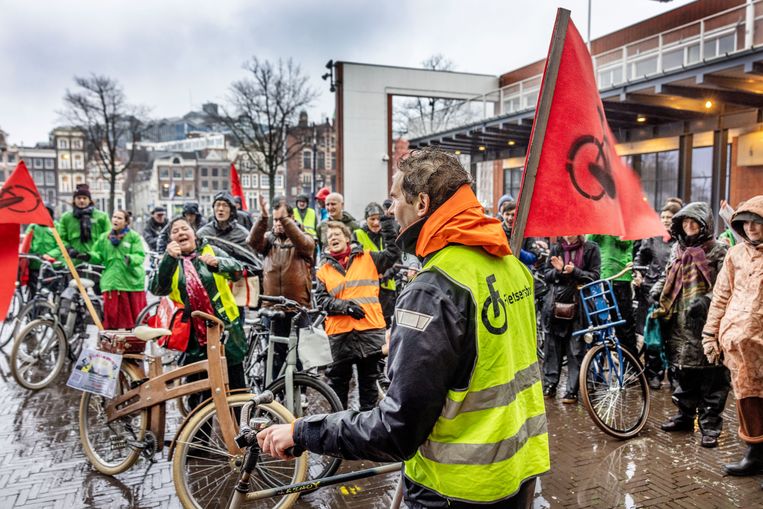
{"x": 360, "y": 284}
{"x": 309, "y": 222}
{"x": 492, "y": 436}
{"x": 223, "y": 302}
{"x": 368, "y": 244}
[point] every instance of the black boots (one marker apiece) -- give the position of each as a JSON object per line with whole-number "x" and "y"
{"x": 751, "y": 464}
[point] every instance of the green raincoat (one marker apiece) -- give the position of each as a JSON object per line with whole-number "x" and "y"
{"x": 123, "y": 263}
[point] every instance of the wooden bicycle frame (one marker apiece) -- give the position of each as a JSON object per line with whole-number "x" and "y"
{"x": 160, "y": 387}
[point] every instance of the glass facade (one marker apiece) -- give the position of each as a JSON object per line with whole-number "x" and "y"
{"x": 702, "y": 174}
{"x": 512, "y": 179}
{"x": 659, "y": 175}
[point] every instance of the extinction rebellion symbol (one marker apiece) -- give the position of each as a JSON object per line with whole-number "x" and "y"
{"x": 589, "y": 166}
{"x": 498, "y": 306}
{"x": 19, "y": 199}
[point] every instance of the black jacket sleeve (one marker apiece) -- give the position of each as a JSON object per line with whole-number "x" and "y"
{"x": 325, "y": 301}
{"x": 391, "y": 254}
{"x": 423, "y": 365}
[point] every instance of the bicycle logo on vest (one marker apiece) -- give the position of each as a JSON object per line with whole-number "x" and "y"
{"x": 19, "y": 199}
{"x": 499, "y": 307}
{"x": 590, "y": 153}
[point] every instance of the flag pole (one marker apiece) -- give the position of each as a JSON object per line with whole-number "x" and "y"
{"x": 82, "y": 291}
{"x": 539, "y": 128}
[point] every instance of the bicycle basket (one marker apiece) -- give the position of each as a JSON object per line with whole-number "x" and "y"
{"x": 120, "y": 342}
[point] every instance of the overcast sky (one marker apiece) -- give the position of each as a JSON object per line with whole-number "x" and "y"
{"x": 174, "y": 55}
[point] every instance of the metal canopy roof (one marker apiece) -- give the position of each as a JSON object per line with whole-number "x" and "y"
{"x": 731, "y": 84}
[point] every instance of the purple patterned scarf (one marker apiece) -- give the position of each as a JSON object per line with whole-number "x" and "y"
{"x": 690, "y": 274}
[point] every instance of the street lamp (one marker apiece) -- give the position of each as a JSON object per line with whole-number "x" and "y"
{"x": 330, "y": 76}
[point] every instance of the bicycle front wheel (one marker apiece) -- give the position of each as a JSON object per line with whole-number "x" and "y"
{"x": 205, "y": 474}
{"x": 615, "y": 393}
{"x": 112, "y": 447}
{"x": 314, "y": 397}
{"x": 38, "y": 354}
{"x": 10, "y": 324}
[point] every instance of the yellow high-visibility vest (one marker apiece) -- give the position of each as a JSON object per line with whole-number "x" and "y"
{"x": 492, "y": 436}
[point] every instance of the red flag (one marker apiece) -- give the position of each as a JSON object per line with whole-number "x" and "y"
{"x": 235, "y": 186}
{"x": 582, "y": 186}
{"x": 20, "y": 203}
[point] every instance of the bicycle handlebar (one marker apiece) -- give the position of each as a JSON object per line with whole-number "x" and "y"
{"x": 208, "y": 317}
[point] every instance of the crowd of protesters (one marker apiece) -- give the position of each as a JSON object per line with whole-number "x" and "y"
{"x": 699, "y": 291}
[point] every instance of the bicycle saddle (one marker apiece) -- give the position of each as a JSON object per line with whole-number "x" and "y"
{"x": 147, "y": 333}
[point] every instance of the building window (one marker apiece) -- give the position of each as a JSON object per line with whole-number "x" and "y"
{"x": 205, "y": 172}
{"x": 659, "y": 176}
{"x": 189, "y": 173}
{"x": 37, "y": 163}
{"x": 702, "y": 174}
{"x": 215, "y": 185}
{"x": 78, "y": 179}
{"x": 205, "y": 184}
{"x": 63, "y": 162}
{"x": 512, "y": 178}
{"x": 333, "y": 161}
{"x": 215, "y": 172}
{"x": 165, "y": 190}
{"x": 279, "y": 181}
{"x": 50, "y": 164}
{"x": 39, "y": 177}
{"x": 77, "y": 144}
{"x": 50, "y": 179}
{"x": 78, "y": 162}
{"x": 307, "y": 158}
{"x": 177, "y": 173}
{"x": 65, "y": 187}
{"x": 265, "y": 181}
{"x": 11, "y": 158}
{"x": 321, "y": 163}
{"x": 245, "y": 180}
{"x": 225, "y": 172}
{"x": 164, "y": 172}
{"x": 63, "y": 143}
{"x": 307, "y": 179}
{"x": 254, "y": 181}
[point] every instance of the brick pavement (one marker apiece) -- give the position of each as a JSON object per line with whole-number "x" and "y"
{"x": 42, "y": 464}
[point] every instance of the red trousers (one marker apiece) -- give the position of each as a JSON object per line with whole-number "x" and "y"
{"x": 121, "y": 309}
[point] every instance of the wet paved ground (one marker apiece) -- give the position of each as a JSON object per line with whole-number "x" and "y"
{"x": 42, "y": 464}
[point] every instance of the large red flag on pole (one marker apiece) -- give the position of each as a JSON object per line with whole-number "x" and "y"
{"x": 574, "y": 181}
{"x": 20, "y": 203}
{"x": 235, "y": 186}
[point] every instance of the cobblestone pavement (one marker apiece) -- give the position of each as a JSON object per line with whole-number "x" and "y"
{"x": 42, "y": 464}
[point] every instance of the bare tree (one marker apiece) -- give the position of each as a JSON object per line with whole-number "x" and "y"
{"x": 262, "y": 107}
{"x": 425, "y": 115}
{"x": 99, "y": 108}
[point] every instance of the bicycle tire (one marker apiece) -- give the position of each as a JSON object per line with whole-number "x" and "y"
{"x": 319, "y": 398}
{"x": 9, "y": 326}
{"x": 146, "y": 313}
{"x": 39, "y": 340}
{"x": 601, "y": 391}
{"x": 256, "y": 360}
{"x": 222, "y": 485}
{"x": 113, "y": 436}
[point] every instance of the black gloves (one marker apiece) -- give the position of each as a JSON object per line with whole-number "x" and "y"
{"x": 73, "y": 253}
{"x": 354, "y": 310}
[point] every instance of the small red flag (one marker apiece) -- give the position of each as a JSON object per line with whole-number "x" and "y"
{"x": 20, "y": 203}
{"x": 235, "y": 186}
{"x": 582, "y": 186}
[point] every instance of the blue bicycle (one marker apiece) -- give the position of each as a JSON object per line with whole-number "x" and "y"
{"x": 613, "y": 385}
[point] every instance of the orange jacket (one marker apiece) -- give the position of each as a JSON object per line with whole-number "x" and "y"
{"x": 360, "y": 284}
{"x": 462, "y": 220}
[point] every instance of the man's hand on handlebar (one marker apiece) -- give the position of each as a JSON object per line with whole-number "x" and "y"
{"x": 275, "y": 440}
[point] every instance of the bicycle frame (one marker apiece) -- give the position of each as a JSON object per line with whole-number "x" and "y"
{"x": 599, "y": 308}
{"x": 154, "y": 393}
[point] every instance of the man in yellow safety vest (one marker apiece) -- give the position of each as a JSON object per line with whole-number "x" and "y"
{"x": 464, "y": 408}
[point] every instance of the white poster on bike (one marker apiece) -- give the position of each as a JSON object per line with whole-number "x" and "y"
{"x": 97, "y": 372}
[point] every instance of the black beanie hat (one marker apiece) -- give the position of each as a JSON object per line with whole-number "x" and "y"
{"x": 83, "y": 190}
